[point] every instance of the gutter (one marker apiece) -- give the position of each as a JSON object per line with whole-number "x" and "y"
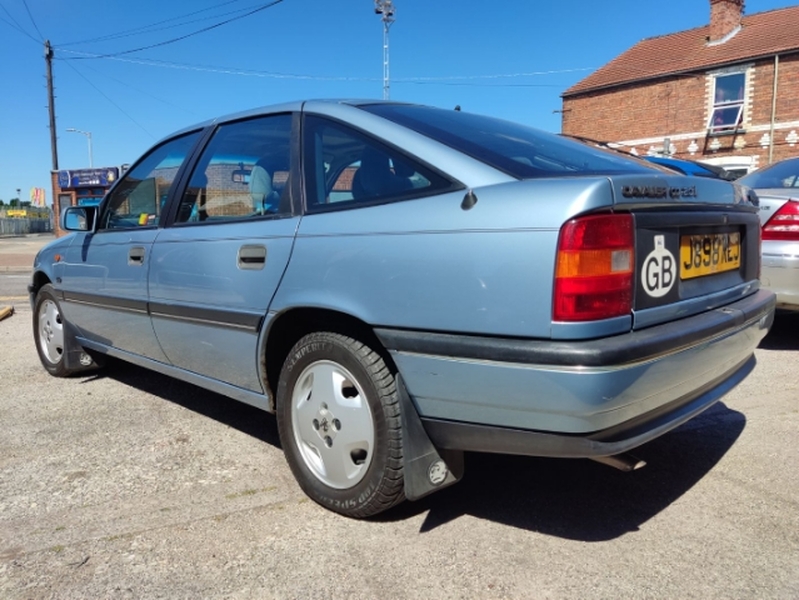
{"x": 773, "y": 109}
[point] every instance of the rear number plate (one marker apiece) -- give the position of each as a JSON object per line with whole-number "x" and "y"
{"x": 707, "y": 253}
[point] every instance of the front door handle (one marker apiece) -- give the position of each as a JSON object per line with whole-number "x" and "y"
{"x": 136, "y": 256}
{"x": 251, "y": 257}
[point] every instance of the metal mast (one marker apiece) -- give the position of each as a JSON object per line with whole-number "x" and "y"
{"x": 385, "y": 8}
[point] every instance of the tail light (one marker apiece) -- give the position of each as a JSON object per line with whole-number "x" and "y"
{"x": 783, "y": 224}
{"x": 594, "y": 269}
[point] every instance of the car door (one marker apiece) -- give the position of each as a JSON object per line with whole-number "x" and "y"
{"x": 104, "y": 282}
{"x": 217, "y": 265}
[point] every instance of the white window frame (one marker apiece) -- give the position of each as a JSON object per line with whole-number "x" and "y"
{"x": 737, "y": 105}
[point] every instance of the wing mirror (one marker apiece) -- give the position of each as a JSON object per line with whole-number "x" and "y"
{"x": 79, "y": 218}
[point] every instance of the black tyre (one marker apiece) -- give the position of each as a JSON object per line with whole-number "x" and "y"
{"x": 339, "y": 421}
{"x": 48, "y": 332}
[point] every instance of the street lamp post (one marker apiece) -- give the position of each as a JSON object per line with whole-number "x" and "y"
{"x": 88, "y": 135}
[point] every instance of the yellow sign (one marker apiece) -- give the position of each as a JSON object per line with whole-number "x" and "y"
{"x": 16, "y": 213}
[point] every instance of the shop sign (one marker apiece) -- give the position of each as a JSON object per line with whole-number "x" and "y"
{"x": 88, "y": 178}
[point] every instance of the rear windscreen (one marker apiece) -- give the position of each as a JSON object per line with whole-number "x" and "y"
{"x": 517, "y": 150}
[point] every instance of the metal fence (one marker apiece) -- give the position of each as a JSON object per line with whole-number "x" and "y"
{"x": 22, "y": 226}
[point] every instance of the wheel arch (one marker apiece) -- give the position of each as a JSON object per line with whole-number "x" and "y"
{"x": 286, "y": 329}
{"x": 38, "y": 280}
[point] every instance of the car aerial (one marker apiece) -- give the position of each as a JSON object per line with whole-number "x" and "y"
{"x": 691, "y": 167}
{"x": 401, "y": 284}
{"x": 777, "y": 187}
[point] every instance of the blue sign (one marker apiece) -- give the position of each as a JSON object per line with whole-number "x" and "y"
{"x": 63, "y": 179}
{"x": 88, "y": 178}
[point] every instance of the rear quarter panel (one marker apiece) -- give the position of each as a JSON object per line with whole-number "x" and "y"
{"x": 428, "y": 264}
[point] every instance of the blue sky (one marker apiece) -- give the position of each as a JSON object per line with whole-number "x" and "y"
{"x": 506, "y": 59}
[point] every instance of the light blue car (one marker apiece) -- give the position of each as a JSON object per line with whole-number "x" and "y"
{"x": 401, "y": 284}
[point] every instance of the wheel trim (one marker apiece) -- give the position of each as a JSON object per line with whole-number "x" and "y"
{"x": 332, "y": 424}
{"x": 51, "y": 332}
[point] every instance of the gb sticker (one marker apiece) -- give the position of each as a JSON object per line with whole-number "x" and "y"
{"x": 660, "y": 270}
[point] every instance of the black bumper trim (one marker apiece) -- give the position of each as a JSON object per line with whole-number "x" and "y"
{"x": 472, "y": 437}
{"x": 614, "y": 351}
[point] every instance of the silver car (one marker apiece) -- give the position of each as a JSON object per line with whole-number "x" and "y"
{"x": 777, "y": 187}
{"x": 401, "y": 284}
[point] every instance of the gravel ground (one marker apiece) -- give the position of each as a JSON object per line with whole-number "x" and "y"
{"x": 129, "y": 484}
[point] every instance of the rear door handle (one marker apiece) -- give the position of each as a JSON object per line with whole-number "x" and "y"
{"x": 136, "y": 256}
{"x": 251, "y": 257}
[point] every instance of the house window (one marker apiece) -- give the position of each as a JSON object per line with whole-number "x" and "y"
{"x": 728, "y": 103}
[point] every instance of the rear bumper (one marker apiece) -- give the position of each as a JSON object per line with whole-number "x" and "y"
{"x": 577, "y": 398}
{"x": 451, "y": 435}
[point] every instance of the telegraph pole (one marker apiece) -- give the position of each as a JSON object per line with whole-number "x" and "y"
{"x": 48, "y": 58}
{"x": 385, "y": 8}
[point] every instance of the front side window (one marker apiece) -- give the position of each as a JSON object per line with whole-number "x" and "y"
{"x": 728, "y": 102}
{"x": 139, "y": 197}
{"x": 242, "y": 174}
{"x": 348, "y": 168}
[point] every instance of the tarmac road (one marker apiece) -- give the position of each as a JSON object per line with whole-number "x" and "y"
{"x": 128, "y": 484}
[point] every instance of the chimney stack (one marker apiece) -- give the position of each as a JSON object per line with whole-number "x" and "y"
{"x": 725, "y": 17}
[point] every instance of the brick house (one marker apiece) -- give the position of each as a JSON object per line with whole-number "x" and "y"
{"x": 726, "y": 93}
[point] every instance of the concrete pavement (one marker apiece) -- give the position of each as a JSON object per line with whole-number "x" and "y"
{"x": 17, "y": 252}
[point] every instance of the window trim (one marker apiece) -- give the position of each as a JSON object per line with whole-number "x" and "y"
{"x": 191, "y": 164}
{"x": 308, "y": 164}
{"x": 174, "y": 186}
{"x": 713, "y": 106}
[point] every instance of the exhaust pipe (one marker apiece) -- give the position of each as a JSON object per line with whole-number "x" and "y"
{"x": 623, "y": 462}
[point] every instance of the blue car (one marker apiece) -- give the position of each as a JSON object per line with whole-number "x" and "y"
{"x": 400, "y": 284}
{"x": 691, "y": 167}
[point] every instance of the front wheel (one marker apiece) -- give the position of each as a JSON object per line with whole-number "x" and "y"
{"x": 339, "y": 421}
{"x": 48, "y": 332}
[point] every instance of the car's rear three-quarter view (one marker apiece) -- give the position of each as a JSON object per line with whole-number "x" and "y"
{"x": 402, "y": 284}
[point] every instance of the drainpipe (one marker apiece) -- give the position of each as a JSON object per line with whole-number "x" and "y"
{"x": 773, "y": 109}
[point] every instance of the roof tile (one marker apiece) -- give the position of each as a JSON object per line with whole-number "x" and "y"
{"x": 762, "y": 34}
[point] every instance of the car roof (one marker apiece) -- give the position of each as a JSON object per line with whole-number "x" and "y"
{"x": 292, "y": 106}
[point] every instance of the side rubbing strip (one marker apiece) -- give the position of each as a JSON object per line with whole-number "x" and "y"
{"x": 244, "y": 320}
{"x": 205, "y": 316}
{"x": 108, "y": 302}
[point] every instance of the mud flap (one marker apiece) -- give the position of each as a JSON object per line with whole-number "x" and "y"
{"x": 426, "y": 469}
{"x": 75, "y": 357}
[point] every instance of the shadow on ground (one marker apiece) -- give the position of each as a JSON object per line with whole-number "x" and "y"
{"x": 247, "y": 419}
{"x": 581, "y": 499}
{"x": 784, "y": 334}
{"x": 573, "y": 499}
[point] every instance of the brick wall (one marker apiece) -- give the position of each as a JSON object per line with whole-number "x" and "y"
{"x": 677, "y": 108}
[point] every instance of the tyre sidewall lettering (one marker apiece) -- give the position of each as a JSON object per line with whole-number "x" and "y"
{"x": 347, "y": 500}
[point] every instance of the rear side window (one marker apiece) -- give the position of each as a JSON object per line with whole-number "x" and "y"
{"x": 517, "y": 150}
{"x": 347, "y": 168}
{"x": 783, "y": 174}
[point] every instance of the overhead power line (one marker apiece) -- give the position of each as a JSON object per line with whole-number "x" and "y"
{"x": 35, "y": 26}
{"x": 15, "y": 25}
{"x": 445, "y": 80}
{"x": 188, "y": 35}
{"x": 153, "y": 27}
{"x": 104, "y": 95}
{"x": 142, "y": 92}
